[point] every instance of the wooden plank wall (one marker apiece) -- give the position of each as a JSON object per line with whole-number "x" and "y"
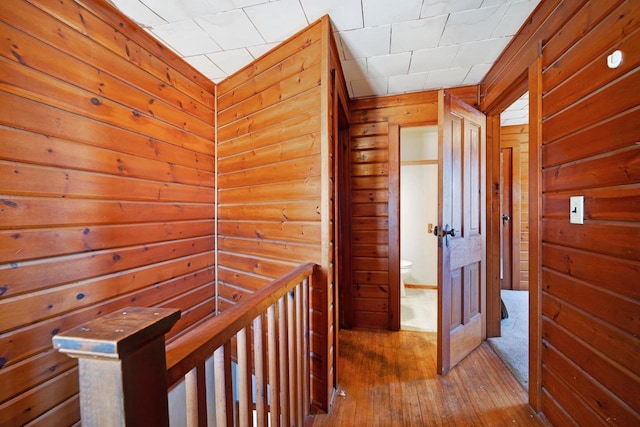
{"x": 371, "y": 182}
{"x": 591, "y": 272}
{"x": 517, "y": 136}
{"x": 585, "y": 276}
{"x": 272, "y": 166}
{"x": 106, "y": 190}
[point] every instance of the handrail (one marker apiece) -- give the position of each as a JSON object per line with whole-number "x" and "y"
{"x": 184, "y": 352}
{"x": 249, "y": 364}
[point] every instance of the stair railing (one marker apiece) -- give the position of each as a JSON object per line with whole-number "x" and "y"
{"x": 247, "y": 366}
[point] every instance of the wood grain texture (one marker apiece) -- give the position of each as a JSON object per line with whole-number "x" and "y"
{"x": 590, "y": 271}
{"x": 106, "y": 189}
{"x": 274, "y": 194}
{"x": 407, "y": 391}
{"x": 373, "y": 204}
{"x": 517, "y": 136}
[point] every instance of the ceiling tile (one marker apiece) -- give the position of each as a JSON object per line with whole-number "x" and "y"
{"x": 369, "y": 87}
{"x": 186, "y": 37}
{"x": 338, "y": 41}
{"x": 417, "y": 34}
{"x": 139, "y": 12}
{"x": 257, "y": 51}
{"x": 476, "y": 74}
{"x": 517, "y": 113}
{"x": 452, "y": 77}
{"x": 177, "y": 10}
{"x": 520, "y": 104}
{"x": 472, "y": 25}
{"x": 408, "y": 83}
{"x": 437, "y": 58}
{"x": 437, "y": 34}
{"x": 231, "y": 61}
{"x": 231, "y": 30}
{"x": 345, "y": 14}
{"x": 366, "y": 42}
{"x": 277, "y": 20}
{"x": 489, "y": 3}
{"x": 514, "y": 17}
{"x": 388, "y": 65}
{"x": 512, "y": 117}
{"x": 482, "y": 52}
{"x": 226, "y": 5}
{"x": 203, "y": 64}
{"x": 380, "y": 12}
{"x": 354, "y": 69}
{"x": 445, "y": 7}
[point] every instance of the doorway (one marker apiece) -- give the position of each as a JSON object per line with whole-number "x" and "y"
{"x": 512, "y": 345}
{"x": 418, "y": 215}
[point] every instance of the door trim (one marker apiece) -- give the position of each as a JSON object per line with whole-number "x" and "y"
{"x": 394, "y": 227}
{"x": 535, "y": 234}
{"x": 533, "y": 83}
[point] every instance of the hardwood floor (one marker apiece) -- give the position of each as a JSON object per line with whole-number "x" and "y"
{"x": 389, "y": 379}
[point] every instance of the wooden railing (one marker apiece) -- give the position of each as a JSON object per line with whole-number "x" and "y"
{"x": 247, "y": 366}
{"x": 264, "y": 343}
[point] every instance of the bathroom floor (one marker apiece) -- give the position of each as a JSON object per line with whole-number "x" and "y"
{"x": 419, "y": 310}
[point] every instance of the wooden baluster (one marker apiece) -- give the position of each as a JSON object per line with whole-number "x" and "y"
{"x": 224, "y": 391}
{"x": 260, "y": 372}
{"x": 122, "y": 366}
{"x": 305, "y": 348}
{"x": 272, "y": 337}
{"x": 284, "y": 360}
{"x": 291, "y": 356}
{"x": 191, "y": 392}
{"x": 300, "y": 354}
{"x": 196, "y": 390}
{"x": 245, "y": 405}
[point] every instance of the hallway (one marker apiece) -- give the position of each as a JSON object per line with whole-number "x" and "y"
{"x": 384, "y": 386}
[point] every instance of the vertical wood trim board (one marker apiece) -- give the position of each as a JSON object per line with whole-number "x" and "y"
{"x": 106, "y": 190}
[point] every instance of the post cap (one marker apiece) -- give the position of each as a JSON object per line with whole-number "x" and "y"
{"x": 117, "y": 334}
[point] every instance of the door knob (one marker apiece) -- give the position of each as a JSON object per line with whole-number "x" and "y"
{"x": 505, "y": 219}
{"x": 447, "y": 231}
{"x": 444, "y": 233}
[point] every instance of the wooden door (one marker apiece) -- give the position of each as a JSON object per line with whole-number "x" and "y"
{"x": 506, "y": 215}
{"x": 461, "y": 231}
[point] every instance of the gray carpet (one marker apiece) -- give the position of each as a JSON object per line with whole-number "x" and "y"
{"x": 513, "y": 345}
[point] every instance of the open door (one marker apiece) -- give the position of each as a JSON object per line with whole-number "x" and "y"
{"x": 506, "y": 204}
{"x": 461, "y": 231}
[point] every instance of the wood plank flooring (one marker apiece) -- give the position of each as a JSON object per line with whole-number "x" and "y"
{"x": 389, "y": 379}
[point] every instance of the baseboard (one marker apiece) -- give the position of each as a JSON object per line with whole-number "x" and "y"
{"x": 419, "y": 286}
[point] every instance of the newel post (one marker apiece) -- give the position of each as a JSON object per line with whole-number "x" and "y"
{"x": 122, "y": 366}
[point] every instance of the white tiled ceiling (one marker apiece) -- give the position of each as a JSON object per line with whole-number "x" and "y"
{"x": 517, "y": 113}
{"x": 386, "y": 46}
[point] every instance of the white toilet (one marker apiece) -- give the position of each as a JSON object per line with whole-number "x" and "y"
{"x": 405, "y": 271}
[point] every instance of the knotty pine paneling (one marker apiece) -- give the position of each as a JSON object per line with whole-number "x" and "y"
{"x": 517, "y": 136}
{"x": 275, "y": 141}
{"x": 591, "y": 272}
{"x": 106, "y": 190}
{"x": 369, "y": 155}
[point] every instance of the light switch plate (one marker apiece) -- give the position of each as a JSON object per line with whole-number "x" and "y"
{"x": 576, "y": 210}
